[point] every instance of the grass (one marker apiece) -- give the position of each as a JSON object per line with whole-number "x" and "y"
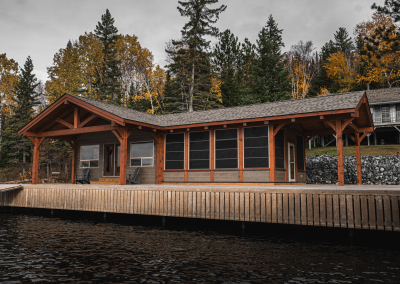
{"x": 379, "y": 150}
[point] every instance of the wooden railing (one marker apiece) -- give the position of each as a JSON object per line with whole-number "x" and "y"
{"x": 325, "y": 206}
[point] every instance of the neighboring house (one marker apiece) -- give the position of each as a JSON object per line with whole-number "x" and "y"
{"x": 385, "y": 110}
{"x": 262, "y": 143}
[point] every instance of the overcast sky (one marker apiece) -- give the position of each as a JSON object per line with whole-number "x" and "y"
{"x": 39, "y": 28}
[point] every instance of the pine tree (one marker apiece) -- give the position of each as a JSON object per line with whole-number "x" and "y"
{"x": 271, "y": 79}
{"x": 391, "y": 8}
{"x": 343, "y": 42}
{"x": 227, "y": 56}
{"x": 190, "y": 56}
{"x": 170, "y": 98}
{"x": 25, "y": 100}
{"x": 109, "y": 85}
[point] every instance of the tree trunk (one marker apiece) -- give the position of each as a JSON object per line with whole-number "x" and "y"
{"x": 191, "y": 91}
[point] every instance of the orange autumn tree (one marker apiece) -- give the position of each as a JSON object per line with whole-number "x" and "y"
{"x": 342, "y": 67}
{"x": 8, "y": 78}
{"x": 380, "y": 54}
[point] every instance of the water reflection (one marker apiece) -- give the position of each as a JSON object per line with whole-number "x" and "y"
{"x": 35, "y": 248}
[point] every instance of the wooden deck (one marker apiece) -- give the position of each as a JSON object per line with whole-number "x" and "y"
{"x": 359, "y": 207}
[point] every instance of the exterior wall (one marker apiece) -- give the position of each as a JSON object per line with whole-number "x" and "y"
{"x": 174, "y": 176}
{"x": 147, "y": 174}
{"x": 202, "y": 176}
{"x": 256, "y": 176}
{"x": 280, "y": 176}
{"x": 301, "y": 176}
{"x": 226, "y": 176}
{"x": 290, "y": 135}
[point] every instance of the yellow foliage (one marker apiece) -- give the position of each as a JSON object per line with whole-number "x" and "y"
{"x": 323, "y": 92}
{"x": 342, "y": 67}
{"x": 8, "y": 79}
{"x": 216, "y": 88}
{"x": 76, "y": 69}
{"x": 381, "y": 67}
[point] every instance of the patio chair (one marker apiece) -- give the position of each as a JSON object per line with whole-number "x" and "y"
{"x": 85, "y": 177}
{"x": 134, "y": 178}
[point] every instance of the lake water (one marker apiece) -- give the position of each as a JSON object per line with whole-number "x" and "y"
{"x": 76, "y": 247}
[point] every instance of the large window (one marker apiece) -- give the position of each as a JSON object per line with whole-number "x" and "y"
{"x": 255, "y": 146}
{"x": 226, "y": 149}
{"x": 175, "y": 151}
{"x": 280, "y": 149}
{"x": 199, "y": 150}
{"x": 300, "y": 153}
{"x": 89, "y": 156}
{"x": 385, "y": 113}
{"x": 142, "y": 154}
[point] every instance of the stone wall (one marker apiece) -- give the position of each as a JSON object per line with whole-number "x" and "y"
{"x": 322, "y": 169}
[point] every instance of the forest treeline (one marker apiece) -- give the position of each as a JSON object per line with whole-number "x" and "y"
{"x": 206, "y": 68}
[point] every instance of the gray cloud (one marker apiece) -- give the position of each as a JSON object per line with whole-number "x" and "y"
{"x": 40, "y": 28}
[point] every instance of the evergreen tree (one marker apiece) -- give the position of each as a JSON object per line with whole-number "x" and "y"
{"x": 170, "y": 98}
{"x": 391, "y": 8}
{"x": 25, "y": 100}
{"x": 190, "y": 56}
{"x": 343, "y": 42}
{"x": 271, "y": 79}
{"x": 227, "y": 56}
{"x": 109, "y": 85}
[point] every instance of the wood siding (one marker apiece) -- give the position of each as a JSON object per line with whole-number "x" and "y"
{"x": 147, "y": 174}
{"x": 357, "y": 208}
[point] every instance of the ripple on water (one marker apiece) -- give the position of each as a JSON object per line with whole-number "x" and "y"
{"x": 38, "y": 249}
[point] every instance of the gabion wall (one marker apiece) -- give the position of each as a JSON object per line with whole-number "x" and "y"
{"x": 322, "y": 169}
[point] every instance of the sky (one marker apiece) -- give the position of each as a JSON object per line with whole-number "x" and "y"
{"x": 39, "y": 28}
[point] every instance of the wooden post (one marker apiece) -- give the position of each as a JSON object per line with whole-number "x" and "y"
{"x": 35, "y": 162}
{"x": 76, "y": 117}
{"x": 212, "y": 155}
{"x": 305, "y": 164}
{"x": 73, "y": 167}
{"x": 123, "y": 157}
{"x": 240, "y": 154}
{"x": 358, "y": 156}
{"x": 271, "y": 137}
{"x": 36, "y": 141}
{"x": 160, "y": 158}
{"x": 339, "y": 151}
{"x": 186, "y": 165}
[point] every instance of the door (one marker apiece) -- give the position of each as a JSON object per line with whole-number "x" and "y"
{"x": 108, "y": 160}
{"x": 291, "y": 163}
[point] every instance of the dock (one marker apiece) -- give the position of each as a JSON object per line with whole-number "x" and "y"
{"x": 353, "y": 207}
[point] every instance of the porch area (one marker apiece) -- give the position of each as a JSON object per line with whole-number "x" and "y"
{"x": 358, "y": 207}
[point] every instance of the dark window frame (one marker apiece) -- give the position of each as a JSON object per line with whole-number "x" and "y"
{"x": 209, "y": 150}
{"x": 215, "y": 148}
{"x": 269, "y": 149}
{"x": 165, "y": 151}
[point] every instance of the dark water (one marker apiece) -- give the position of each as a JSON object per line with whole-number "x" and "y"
{"x": 74, "y": 247}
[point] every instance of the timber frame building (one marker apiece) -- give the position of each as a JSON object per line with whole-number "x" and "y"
{"x": 253, "y": 144}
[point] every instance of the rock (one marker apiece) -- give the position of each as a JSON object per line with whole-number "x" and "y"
{"x": 322, "y": 169}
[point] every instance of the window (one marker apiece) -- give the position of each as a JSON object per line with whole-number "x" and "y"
{"x": 398, "y": 112}
{"x": 175, "y": 151}
{"x": 280, "y": 149}
{"x": 142, "y": 154}
{"x": 199, "y": 150}
{"x": 89, "y": 156}
{"x": 377, "y": 114}
{"x": 300, "y": 153}
{"x": 255, "y": 147}
{"x": 385, "y": 113}
{"x": 226, "y": 149}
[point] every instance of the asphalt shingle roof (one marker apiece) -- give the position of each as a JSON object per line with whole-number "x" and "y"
{"x": 315, "y": 104}
{"x": 383, "y": 95}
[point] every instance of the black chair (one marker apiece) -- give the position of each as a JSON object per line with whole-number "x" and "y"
{"x": 134, "y": 178}
{"x": 85, "y": 177}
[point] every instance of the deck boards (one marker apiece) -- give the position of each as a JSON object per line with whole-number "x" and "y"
{"x": 361, "y": 208}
